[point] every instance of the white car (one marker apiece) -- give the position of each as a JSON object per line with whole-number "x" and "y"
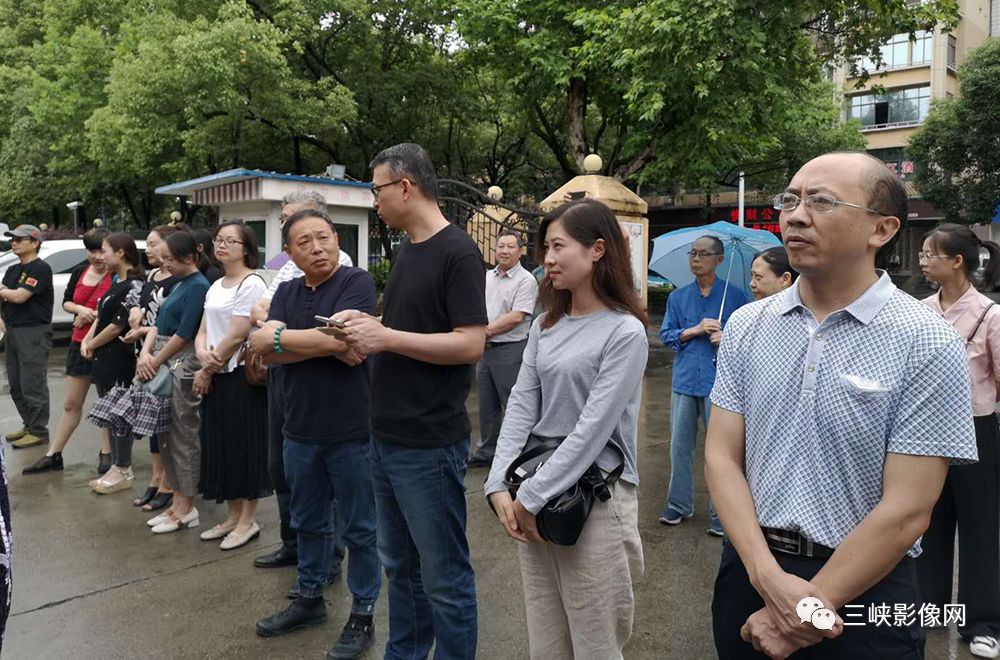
{"x": 62, "y": 256}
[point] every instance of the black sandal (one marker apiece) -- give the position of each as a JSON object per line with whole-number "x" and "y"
{"x": 146, "y": 497}
{"x": 161, "y": 500}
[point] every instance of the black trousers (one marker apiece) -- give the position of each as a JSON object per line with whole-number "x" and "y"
{"x": 735, "y": 600}
{"x": 969, "y": 502}
{"x": 276, "y": 469}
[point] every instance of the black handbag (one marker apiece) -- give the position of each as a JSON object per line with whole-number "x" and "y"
{"x": 562, "y": 518}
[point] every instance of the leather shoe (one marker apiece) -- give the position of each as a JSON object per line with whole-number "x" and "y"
{"x": 293, "y": 593}
{"x": 280, "y": 557}
{"x": 44, "y": 464}
{"x": 301, "y": 613}
{"x": 479, "y": 461}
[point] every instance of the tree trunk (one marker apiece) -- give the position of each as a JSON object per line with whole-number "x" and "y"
{"x": 576, "y": 111}
{"x": 127, "y": 198}
{"x": 297, "y": 149}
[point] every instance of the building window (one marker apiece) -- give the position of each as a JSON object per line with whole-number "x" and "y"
{"x": 952, "y": 48}
{"x": 899, "y": 106}
{"x": 902, "y": 52}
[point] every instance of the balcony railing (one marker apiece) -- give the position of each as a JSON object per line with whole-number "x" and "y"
{"x": 891, "y": 126}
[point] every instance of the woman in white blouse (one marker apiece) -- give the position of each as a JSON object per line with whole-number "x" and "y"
{"x": 233, "y": 412}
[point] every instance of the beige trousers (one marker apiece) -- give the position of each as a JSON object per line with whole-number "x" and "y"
{"x": 180, "y": 447}
{"x": 579, "y": 599}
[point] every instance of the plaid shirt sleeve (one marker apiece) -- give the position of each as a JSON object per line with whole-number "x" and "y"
{"x": 729, "y": 389}
{"x": 934, "y": 414}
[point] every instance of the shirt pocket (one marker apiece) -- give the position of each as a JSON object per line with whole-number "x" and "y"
{"x": 864, "y": 402}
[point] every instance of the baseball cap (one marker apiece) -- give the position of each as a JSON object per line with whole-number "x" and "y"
{"x": 25, "y": 231}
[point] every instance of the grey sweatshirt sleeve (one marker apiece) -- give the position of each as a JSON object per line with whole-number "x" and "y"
{"x": 623, "y": 364}
{"x": 523, "y": 409}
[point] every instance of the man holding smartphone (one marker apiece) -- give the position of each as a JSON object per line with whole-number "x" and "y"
{"x": 287, "y": 554}
{"x": 327, "y": 386}
{"x": 432, "y": 329}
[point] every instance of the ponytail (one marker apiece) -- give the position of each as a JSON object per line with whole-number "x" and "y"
{"x": 959, "y": 240}
{"x": 992, "y": 269}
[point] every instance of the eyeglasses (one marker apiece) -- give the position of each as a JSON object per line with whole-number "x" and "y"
{"x": 701, "y": 254}
{"x": 18, "y": 239}
{"x": 924, "y": 256}
{"x": 228, "y": 242}
{"x": 377, "y": 190}
{"x": 818, "y": 202}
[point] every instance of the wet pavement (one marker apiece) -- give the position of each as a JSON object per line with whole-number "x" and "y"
{"x": 91, "y": 581}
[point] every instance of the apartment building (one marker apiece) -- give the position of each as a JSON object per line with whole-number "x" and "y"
{"x": 897, "y": 96}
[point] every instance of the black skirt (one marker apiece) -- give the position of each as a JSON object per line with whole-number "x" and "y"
{"x": 76, "y": 364}
{"x": 234, "y": 440}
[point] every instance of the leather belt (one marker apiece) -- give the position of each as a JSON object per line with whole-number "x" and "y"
{"x": 793, "y": 543}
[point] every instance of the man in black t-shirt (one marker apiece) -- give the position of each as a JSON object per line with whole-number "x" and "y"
{"x": 326, "y": 387}
{"x": 432, "y": 330}
{"x": 26, "y": 306}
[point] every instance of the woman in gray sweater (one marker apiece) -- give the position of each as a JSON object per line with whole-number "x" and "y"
{"x": 580, "y": 380}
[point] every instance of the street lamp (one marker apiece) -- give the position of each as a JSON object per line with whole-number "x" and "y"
{"x": 75, "y": 207}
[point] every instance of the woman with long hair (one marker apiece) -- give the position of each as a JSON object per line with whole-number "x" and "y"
{"x": 580, "y": 384}
{"x": 114, "y": 361}
{"x": 87, "y": 284}
{"x": 172, "y": 347}
{"x": 159, "y": 283}
{"x": 233, "y": 412}
{"x": 207, "y": 263}
{"x": 970, "y": 501}
{"x": 771, "y": 273}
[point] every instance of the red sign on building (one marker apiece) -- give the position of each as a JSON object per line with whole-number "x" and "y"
{"x": 757, "y": 217}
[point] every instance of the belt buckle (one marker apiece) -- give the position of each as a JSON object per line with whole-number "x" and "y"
{"x": 790, "y": 546}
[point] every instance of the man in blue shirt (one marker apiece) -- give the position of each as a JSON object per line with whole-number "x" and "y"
{"x": 691, "y": 327}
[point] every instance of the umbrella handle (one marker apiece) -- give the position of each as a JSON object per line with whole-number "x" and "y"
{"x": 725, "y": 289}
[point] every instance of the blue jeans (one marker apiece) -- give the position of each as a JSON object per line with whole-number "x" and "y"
{"x": 276, "y": 467}
{"x": 316, "y": 475}
{"x": 420, "y": 500}
{"x": 684, "y": 413}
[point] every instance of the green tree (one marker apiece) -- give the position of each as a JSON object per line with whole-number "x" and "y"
{"x": 668, "y": 90}
{"x": 956, "y": 149}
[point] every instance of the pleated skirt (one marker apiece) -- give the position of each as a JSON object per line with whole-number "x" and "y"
{"x": 234, "y": 440}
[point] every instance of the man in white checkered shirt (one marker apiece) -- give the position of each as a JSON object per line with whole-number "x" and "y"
{"x": 837, "y": 407}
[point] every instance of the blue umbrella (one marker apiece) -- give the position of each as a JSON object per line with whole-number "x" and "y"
{"x": 670, "y": 258}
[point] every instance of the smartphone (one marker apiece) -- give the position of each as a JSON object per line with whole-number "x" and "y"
{"x": 325, "y": 320}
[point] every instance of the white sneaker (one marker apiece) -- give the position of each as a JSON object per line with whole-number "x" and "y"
{"x": 984, "y": 647}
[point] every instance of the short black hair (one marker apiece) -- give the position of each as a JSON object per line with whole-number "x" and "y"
{"x": 251, "y": 256}
{"x": 511, "y": 232}
{"x": 410, "y": 161}
{"x": 286, "y": 229}
{"x": 93, "y": 239}
{"x": 717, "y": 245}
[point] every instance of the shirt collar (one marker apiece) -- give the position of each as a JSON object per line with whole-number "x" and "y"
{"x": 864, "y": 309}
{"x": 509, "y": 273}
{"x": 966, "y": 300}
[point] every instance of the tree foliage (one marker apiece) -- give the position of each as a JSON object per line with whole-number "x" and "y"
{"x": 107, "y": 99}
{"x": 956, "y": 149}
